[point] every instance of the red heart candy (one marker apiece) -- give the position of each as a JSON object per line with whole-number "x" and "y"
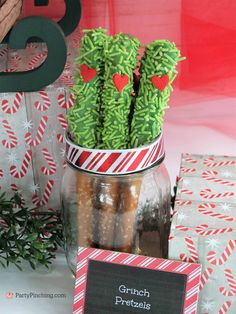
{"x": 120, "y": 81}
{"x": 160, "y": 82}
{"x": 87, "y": 73}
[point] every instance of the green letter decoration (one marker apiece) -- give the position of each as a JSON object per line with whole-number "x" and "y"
{"x": 50, "y": 33}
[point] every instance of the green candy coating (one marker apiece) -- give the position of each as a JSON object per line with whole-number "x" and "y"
{"x": 160, "y": 58}
{"x": 120, "y": 58}
{"x": 84, "y": 116}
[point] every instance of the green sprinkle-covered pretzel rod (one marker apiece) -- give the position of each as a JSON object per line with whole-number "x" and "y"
{"x": 83, "y": 118}
{"x": 157, "y": 73}
{"x": 84, "y": 123}
{"x": 120, "y": 61}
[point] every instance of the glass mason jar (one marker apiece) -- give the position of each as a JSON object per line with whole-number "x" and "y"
{"x": 121, "y": 212}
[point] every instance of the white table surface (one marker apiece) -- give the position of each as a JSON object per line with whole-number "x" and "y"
{"x": 206, "y": 127}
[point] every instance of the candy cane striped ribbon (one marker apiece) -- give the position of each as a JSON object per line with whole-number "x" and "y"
{"x": 224, "y": 308}
{"x": 46, "y": 195}
{"x": 50, "y": 161}
{"x": 24, "y": 167}
{"x": 40, "y": 132}
{"x": 204, "y": 209}
{"x": 206, "y": 194}
{"x": 117, "y": 160}
{"x": 232, "y": 284}
{"x": 210, "y": 162}
{"x": 210, "y": 176}
{"x": 192, "y": 250}
{"x": 16, "y": 104}
{"x": 46, "y": 101}
{"x": 211, "y": 256}
{"x": 1, "y": 173}
{"x": 63, "y": 103}
{"x": 205, "y": 276}
{"x": 13, "y": 139}
{"x": 201, "y": 230}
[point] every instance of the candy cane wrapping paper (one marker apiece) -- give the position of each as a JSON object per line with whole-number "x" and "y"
{"x": 32, "y": 157}
{"x": 203, "y": 228}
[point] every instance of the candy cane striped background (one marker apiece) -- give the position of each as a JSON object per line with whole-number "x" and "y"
{"x": 40, "y": 132}
{"x": 205, "y": 210}
{"x": 202, "y": 230}
{"x": 206, "y": 193}
{"x": 193, "y": 272}
{"x": 24, "y": 167}
{"x": 64, "y": 125}
{"x": 24, "y": 128}
{"x": 210, "y": 176}
{"x": 46, "y": 102}
{"x": 63, "y": 103}
{"x": 215, "y": 235}
{"x": 210, "y": 162}
{"x": 225, "y": 307}
{"x": 192, "y": 250}
{"x": 11, "y": 109}
{"x": 13, "y": 139}
{"x": 115, "y": 161}
{"x": 205, "y": 276}
{"x": 46, "y": 195}
{"x": 232, "y": 284}
{"x": 211, "y": 256}
{"x": 52, "y": 165}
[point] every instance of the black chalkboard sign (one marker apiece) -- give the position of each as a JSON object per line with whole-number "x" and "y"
{"x": 114, "y": 288}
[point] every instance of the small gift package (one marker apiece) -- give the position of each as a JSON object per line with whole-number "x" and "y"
{"x": 203, "y": 229}
{"x": 32, "y": 129}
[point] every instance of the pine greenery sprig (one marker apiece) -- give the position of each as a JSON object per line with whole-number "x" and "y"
{"x": 26, "y": 234}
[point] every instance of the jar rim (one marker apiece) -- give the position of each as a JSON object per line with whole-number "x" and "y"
{"x": 115, "y": 161}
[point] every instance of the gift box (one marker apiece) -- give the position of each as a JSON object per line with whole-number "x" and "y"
{"x": 32, "y": 129}
{"x": 203, "y": 228}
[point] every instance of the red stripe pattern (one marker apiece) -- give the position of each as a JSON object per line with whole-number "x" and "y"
{"x": 46, "y": 195}
{"x": 210, "y": 176}
{"x": 24, "y": 167}
{"x": 210, "y": 162}
{"x": 43, "y": 106}
{"x": 224, "y": 308}
{"x": 193, "y": 272}
{"x": 40, "y": 132}
{"x": 52, "y": 165}
{"x": 206, "y": 193}
{"x": 16, "y": 104}
{"x": 63, "y": 103}
{"x": 206, "y": 209}
{"x": 114, "y": 161}
{"x": 231, "y": 282}
{"x": 12, "y": 136}
{"x": 211, "y": 256}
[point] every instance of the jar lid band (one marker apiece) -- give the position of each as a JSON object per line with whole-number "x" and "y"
{"x": 117, "y": 161}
